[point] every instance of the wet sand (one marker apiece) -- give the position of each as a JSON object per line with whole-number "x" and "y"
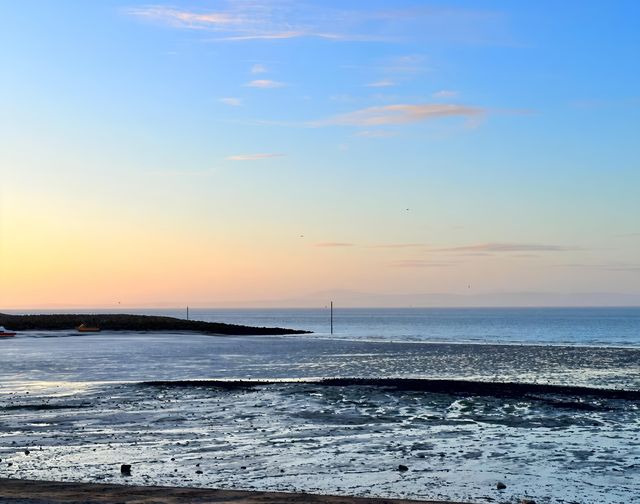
{"x": 14, "y": 491}
{"x": 253, "y": 414}
{"x": 454, "y": 387}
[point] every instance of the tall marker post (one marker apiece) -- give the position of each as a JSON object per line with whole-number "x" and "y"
{"x": 331, "y": 317}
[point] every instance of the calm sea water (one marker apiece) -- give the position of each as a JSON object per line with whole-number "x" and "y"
{"x": 572, "y": 326}
{"x": 578, "y": 326}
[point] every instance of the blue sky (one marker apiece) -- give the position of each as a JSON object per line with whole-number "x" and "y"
{"x": 291, "y": 148}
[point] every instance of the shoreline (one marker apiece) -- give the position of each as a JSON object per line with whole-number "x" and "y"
{"x": 19, "y": 491}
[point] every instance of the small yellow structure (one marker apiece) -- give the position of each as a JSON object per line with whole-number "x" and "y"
{"x": 86, "y": 328}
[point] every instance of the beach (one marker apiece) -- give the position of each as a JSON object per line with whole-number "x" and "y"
{"x": 45, "y": 492}
{"x": 349, "y": 252}
{"x": 367, "y": 417}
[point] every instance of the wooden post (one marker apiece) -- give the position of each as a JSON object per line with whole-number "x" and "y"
{"x": 331, "y": 317}
{"x": 187, "y": 313}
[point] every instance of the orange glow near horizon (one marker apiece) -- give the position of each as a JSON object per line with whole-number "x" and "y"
{"x": 61, "y": 255}
{"x": 368, "y": 158}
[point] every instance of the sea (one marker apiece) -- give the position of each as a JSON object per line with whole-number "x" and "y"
{"x": 74, "y": 407}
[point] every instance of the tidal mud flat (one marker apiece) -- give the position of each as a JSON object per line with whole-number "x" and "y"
{"x": 351, "y": 440}
{"x": 74, "y": 408}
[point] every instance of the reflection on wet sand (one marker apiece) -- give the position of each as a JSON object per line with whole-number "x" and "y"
{"x": 338, "y": 439}
{"x": 75, "y": 409}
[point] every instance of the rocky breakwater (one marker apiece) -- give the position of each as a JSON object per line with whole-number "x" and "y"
{"x": 123, "y": 322}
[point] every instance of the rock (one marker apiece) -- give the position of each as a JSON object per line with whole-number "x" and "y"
{"x": 402, "y": 468}
{"x": 198, "y": 471}
{"x": 125, "y": 469}
{"x": 27, "y": 452}
{"x": 500, "y": 485}
{"x": 527, "y": 501}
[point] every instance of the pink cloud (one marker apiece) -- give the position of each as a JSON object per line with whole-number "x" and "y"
{"x": 400, "y": 114}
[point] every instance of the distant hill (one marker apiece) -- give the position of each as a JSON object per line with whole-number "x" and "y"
{"x": 122, "y": 322}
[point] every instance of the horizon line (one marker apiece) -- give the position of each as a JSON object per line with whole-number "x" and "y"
{"x": 316, "y": 307}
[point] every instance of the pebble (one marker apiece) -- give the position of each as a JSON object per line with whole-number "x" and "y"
{"x": 402, "y": 468}
{"x": 500, "y": 485}
{"x": 125, "y": 469}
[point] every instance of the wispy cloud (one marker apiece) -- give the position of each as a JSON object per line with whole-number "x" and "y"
{"x": 445, "y": 93}
{"x": 187, "y": 19}
{"x": 265, "y": 84}
{"x": 376, "y": 134}
{"x": 398, "y": 245}
{"x": 252, "y": 157}
{"x": 407, "y": 64}
{"x": 508, "y": 247}
{"x": 418, "y": 263}
{"x": 246, "y": 20}
{"x": 258, "y": 69}
{"x": 255, "y": 20}
{"x": 621, "y": 267}
{"x": 400, "y": 114}
{"x": 266, "y": 36}
{"x": 335, "y": 244}
{"x": 233, "y": 102}
{"x": 299, "y": 34}
{"x": 380, "y": 246}
{"x": 451, "y": 24}
{"x": 381, "y": 83}
{"x": 342, "y": 98}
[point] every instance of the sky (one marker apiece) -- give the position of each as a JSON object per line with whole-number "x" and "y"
{"x": 284, "y": 153}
